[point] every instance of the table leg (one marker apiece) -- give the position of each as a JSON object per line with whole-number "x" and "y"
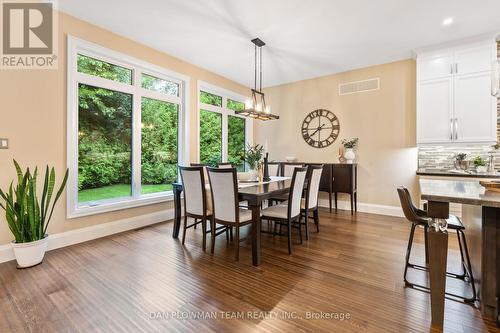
{"x": 255, "y": 207}
{"x": 177, "y": 212}
{"x": 438, "y": 251}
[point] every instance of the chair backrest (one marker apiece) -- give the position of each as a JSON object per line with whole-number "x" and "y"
{"x": 313, "y": 180}
{"x": 225, "y": 165}
{"x": 274, "y": 169}
{"x": 205, "y": 174}
{"x": 296, "y": 189}
{"x": 193, "y": 181}
{"x": 289, "y": 167}
{"x": 412, "y": 213}
{"x": 224, "y": 187}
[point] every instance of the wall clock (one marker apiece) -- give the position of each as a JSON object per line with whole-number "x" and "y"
{"x": 320, "y": 128}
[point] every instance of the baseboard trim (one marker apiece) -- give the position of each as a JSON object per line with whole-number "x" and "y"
{"x": 366, "y": 208}
{"x": 81, "y": 235}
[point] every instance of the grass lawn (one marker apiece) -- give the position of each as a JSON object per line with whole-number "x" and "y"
{"x": 117, "y": 191}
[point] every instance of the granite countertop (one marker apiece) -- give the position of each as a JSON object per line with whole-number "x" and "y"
{"x": 456, "y": 173}
{"x": 465, "y": 192}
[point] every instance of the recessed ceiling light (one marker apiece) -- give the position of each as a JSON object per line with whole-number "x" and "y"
{"x": 448, "y": 21}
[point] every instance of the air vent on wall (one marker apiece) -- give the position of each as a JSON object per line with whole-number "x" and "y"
{"x": 359, "y": 86}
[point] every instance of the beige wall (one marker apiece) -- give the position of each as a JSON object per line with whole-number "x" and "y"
{"x": 384, "y": 122}
{"x": 33, "y": 115}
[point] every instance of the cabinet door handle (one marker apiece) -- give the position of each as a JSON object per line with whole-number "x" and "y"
{"x": 456, "y": 128}
{"x": 456, "y": 68}
{"x": 451, "y": 128}
{"x": 451, "y": 68}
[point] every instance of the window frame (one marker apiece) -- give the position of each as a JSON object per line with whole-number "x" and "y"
{"x": 77, "y": 46}
{"x": 225, "y": 112}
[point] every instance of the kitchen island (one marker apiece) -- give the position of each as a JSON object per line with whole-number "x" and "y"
{"x": 481, "y": 217}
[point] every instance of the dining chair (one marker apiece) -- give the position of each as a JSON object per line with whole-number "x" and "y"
{"x": 289, "y": 167}
{"x": 288, "y": 213}
{"x": 309, "y": 204}
{"x": 225, "y": 165}
{"x": 195, "y": 200}
{"x": 274, "y": 168}
{"x": 286, "y": 171}
{"x": 204, "y": 169}
{"x": 226, "y": 210}
{"x": 419, "y": 217}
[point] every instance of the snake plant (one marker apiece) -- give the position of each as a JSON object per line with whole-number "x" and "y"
{"x": 27, "y": 216}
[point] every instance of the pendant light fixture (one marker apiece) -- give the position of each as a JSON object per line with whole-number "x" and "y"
{"x": 257, "y": 108}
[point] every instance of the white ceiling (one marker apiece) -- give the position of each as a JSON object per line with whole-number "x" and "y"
{"x": 304, "y": 39}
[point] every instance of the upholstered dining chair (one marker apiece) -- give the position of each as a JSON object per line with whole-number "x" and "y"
{"x": 289, "y": 167}
{"x": 289, "y": 212}
{"x": 286, "y": 171}
{"x": 274, "y": 168}
{"x": 309, "y": 204}
{"x": 226, "y": 210}
{"x": 225, "y": 165}
{"x": 204, "y": 169}
{"x": 195, "y": 200}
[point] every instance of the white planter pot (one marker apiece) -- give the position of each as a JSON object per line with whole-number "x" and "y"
{"x": 481, "y": 169}
{"x": 30, "y": 254}
{"x": 349, "y": 155}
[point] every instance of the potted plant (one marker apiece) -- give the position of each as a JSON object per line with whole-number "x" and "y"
{"x": 27, "y": 216}
{"x": 349, "y": 145}
{"x": 480, "y": 164}
{"x": 253, "y": 156}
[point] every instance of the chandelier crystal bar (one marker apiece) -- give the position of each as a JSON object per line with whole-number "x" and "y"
{"x": 256, "y": 107}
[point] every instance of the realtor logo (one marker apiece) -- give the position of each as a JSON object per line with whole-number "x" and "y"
{"x": 28, "y": 35}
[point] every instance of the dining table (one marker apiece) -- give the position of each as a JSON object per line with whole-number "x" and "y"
{"x": 254, "y": 193}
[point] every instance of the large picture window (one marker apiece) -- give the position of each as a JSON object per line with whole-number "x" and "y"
{"x": 223, "y": 134}
{"x": 126, "y": 130}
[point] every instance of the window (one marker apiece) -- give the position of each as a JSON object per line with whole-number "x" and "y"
{"x": 126, "y": 130}
{"x": 223, "y": 134}
{"x": 210, "y": 137}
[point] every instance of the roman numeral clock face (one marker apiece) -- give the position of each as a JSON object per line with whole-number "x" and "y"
{"x": 320, "y": 128}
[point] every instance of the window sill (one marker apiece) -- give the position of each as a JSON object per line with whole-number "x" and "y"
{"x": 115, "y": 205}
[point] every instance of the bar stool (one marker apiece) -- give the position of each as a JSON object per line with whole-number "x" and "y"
{"x": 419, "y": 217}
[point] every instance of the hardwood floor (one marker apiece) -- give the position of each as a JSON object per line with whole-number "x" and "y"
{"x": 143, "y": 281}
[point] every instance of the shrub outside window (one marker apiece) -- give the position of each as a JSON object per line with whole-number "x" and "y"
{"x": 223, "y": 134}
{"x": 126, "y": 130}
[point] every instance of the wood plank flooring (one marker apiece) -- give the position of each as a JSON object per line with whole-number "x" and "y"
{"x": 145, "y": 281}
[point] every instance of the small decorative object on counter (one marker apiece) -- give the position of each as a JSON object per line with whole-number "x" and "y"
{"x": 491, "y": 160}
{"x": 480, "y": 164}
{"x": 350, "y": 145}
{"x": 461, "y": 162}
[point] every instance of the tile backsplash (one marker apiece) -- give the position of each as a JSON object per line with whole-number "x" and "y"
{"x": 441, "y": 157}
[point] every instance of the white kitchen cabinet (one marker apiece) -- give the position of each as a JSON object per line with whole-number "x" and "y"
{"x": 435, "y": 110}
{"x": 454, "y": 102}
{"x": 435, "y": 66}
{"x": 474, "y": 59}
{"x": 475, "y": 110}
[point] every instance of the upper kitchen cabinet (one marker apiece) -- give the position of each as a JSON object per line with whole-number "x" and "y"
{"x": 454, "y": 102}
{"x": 435, "y": 66}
